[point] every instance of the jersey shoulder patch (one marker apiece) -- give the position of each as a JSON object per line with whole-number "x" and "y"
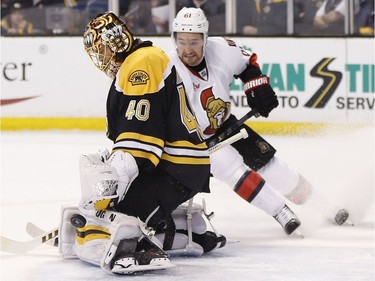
{"x": 142, "y": 72}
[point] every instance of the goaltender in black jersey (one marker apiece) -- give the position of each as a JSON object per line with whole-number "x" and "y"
{"x": 149, "y": 117}
{"x": 129, "y": 212}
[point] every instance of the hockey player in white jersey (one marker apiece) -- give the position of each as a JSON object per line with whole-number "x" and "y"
{"x": 207, "y": 66}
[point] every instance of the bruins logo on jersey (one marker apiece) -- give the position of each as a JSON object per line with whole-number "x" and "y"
{"x": 139, "y": 77}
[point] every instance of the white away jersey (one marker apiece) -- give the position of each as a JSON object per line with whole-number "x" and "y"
{"x": 208, "y": 91}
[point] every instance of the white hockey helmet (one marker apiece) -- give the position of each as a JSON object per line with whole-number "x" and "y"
{"x": 191, "y": 20}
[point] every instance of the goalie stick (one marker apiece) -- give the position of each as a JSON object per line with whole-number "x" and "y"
{"x": 34, "y": 231}
{"x": 20, "y": 247}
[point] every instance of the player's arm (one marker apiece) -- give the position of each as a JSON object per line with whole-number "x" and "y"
{"x": 243, "y": 63}
{"x": 260, "y": 95}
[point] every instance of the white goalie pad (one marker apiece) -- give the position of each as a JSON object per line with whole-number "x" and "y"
{"x": 97, "y": 241}
{"x": 189, "y": 221}
{"x": 198, "y": 223}
{"x": 67, "y": 232}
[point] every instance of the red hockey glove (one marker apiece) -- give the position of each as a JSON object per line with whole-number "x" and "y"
{"x": 260, "y": 95}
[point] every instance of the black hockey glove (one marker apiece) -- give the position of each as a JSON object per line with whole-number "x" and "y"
{"x": 260, "y": 95}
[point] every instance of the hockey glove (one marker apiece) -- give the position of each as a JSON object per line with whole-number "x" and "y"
{"x": 260, "y": 95}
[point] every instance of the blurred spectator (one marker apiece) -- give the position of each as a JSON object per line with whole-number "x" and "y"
{"x": 304, "y": 13}
{"x": 364, "y": 18}
{"x": 330, "y": 17}
{"x": 160, "y": 15}
{"x": 7, "y": 5}
{"x": 214, "y": 10}
{"x": 273, "y": 17}
{"x": 262, "y": 17}
{"x": 247, "y": 16}
{"x": 138, "y": 17}
{"x": 69, "y": 16}
{"x": 15, "y": 22}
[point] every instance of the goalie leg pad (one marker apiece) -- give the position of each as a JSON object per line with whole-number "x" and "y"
{"x": 98, "y": 240}
{"x": 197, "y": 221}
{"x": 201, "y": 240}
{"x": 67, "y": 232}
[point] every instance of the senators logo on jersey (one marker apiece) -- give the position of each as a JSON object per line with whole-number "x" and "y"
{"x": 216, "y": 110}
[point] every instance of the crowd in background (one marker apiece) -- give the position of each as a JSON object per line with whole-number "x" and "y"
{"x": 151, "y": 17}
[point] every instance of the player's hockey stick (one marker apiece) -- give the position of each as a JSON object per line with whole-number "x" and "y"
{"x": 19, "y": 247}
{"x": 242, "y": 134}
{"x": 224, "y": 135}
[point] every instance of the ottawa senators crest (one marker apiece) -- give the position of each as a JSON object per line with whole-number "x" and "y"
{"x": 139, "y": 77}
{"x": 216, "y": 110}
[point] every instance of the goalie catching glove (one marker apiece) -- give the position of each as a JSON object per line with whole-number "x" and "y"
{"x": 105, "y": 183}
{"x": 260, "y": 95}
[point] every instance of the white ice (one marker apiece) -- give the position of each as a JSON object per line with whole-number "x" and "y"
{"x": 39, "y": 173}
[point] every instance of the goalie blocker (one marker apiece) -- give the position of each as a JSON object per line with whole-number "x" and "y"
{"x": 123, "y": 244}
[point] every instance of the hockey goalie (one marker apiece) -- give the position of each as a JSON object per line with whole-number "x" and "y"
{"x": 129, "y": 217}
{"x": 122, "y": 244}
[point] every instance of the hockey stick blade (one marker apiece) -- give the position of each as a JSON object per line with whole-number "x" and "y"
{"x": 20, "y": 247}
{"x": 224, "y": 135}
{"x": 34, "y": 231}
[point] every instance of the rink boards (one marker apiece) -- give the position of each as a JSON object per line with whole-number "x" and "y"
{"x": 50, "y": 83}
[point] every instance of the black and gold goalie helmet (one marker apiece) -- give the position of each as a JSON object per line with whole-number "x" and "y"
{"x": 107, "y": 40}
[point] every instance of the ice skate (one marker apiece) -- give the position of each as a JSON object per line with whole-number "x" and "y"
{"x": 148, "y": 253}
{"x": 147, "y": 257}
{"x": 208, "y": 242}
{"x": 124, "y": 263}
{"x": 288, "y": 220}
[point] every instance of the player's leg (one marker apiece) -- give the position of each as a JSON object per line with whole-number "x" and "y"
{"x": 227, "y": 166}
{"x": 259, "y": 155}
{"x": 115, "y": 241}
{"x": 159, "y": 191}
{"x": 299, "y": 190}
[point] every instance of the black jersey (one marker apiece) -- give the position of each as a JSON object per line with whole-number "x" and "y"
{"x": 148, "y": 116}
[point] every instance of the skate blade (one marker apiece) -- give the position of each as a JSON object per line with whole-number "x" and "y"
{"x": 349, "y": 222}
{"x": 185, "y": 252}
{"x": 298, "y": 233}
{"x": 136, "y": 269}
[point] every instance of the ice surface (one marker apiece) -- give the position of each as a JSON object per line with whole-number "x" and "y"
{"x": 39, "y": 173}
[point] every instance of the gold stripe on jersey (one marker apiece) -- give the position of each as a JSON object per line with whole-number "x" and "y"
{"x": 143, "y": 71}
{"x": 184, "y": 152}
{"x": 185, "y": 159}
{"x": 141, "y": 154}
{"x": 140, "y": 137}
{"x": 188, "y": 144}
{"x": 139, "y": 145}
{"x": 91, "y": 232}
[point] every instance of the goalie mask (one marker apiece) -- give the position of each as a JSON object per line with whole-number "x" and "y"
{"x": 107, "y": 41}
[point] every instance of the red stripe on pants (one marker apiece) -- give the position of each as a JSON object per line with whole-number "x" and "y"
{"x": 251, "y": 183}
